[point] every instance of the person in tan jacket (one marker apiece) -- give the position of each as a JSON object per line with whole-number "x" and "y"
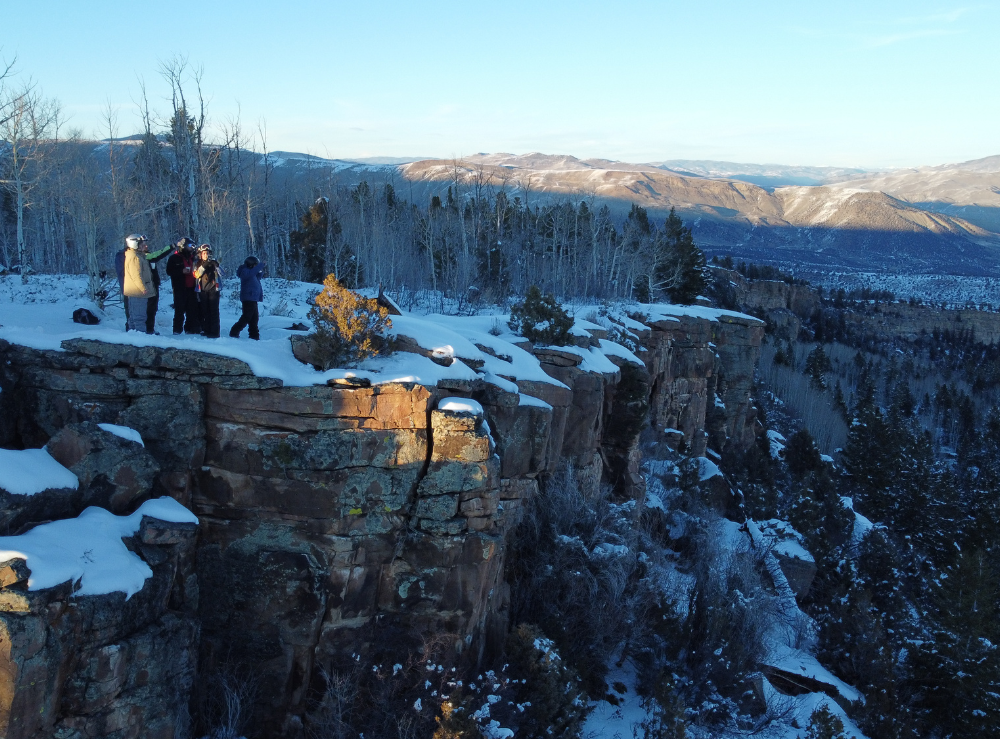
{"x": 137, "y": 286}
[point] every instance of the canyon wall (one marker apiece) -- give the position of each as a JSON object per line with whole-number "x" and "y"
{"x": 335, "y": 519}
{"x": 785, "y": 305}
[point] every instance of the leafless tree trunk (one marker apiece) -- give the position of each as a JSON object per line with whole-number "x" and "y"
{"x": 24, "y": 127}
{"x": 186, "y": 135}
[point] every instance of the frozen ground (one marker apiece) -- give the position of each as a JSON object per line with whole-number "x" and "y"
{"x": 39, "y": 314}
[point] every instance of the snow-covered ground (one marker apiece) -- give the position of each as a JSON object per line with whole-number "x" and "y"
{"x": 39, "y": 315}
{"x": 789, "y": 638}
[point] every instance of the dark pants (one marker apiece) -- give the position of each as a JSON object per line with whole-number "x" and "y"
{"x": 250, "y": 317}
{"x": 186, "y": 311}
{"x": 151, "y": 305}
{"x": 125, "y": 306}
{"x": 210, "y": 313}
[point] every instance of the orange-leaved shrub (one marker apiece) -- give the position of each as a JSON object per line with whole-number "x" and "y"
{"x": 347, "y": 327}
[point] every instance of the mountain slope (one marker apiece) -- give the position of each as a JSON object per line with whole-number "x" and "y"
{"x": 765, "y": 175}
{"x": 969, "y": 190}
{"x": 840, "y": 225}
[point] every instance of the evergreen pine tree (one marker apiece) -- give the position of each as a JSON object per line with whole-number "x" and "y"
{"x": 824, "y": 724}
{"x": 870, "y": 456}
{"x": 839, "y": 403}
{"x": 817, "y": 365}
{"x": 680, "y": 269}
{"x": 958, "y": 668}
{"x": 541, "y": 319}
{"x": 801, "y": 453}
{"x": 317, "y": 229}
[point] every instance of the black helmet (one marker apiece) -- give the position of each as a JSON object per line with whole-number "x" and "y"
{"x": 251, "y": 262}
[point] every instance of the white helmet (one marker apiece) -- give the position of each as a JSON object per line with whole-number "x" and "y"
{"x": 132, "y": 241}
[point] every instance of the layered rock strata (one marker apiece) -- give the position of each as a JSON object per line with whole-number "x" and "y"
{"x": 786, "y": 305}
{"x": 333, "y": 516}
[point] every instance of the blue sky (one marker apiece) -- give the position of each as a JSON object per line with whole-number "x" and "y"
{"x": 875, "y": 84}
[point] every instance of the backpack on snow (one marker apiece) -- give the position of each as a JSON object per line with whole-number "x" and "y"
{"x": 84, "y": 316}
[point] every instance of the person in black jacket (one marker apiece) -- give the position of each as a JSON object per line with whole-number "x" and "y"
{"x": 120, "y": 271}
{"x": 180, "y": 268}
{"x": 208, "y": 277}
{"x": 154, "y": 302}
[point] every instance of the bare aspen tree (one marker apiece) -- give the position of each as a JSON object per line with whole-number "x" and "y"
{"x": 458, "y": 173}
{"x": 150, "y": 190}
{"x": 186, "y": 136}
{"x": 23, "y": 130}
{"x": 89, "y": 207}
{"x": 239, "y": 173}
{"x": 115, "y": 166}
{"x": 6, "y": 69}
{"x": 267, "y": 218}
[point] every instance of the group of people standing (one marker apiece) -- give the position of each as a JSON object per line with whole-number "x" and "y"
{"x": 196, "y": 279}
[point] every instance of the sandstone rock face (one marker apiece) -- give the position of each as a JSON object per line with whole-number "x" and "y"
{"x": 701, "y": 373}
{"x": 335, "y": 516}
{"x": 102, "y": 666}
{"x": 738, "y": 341}
{"x": 114, "y": 473}
{"x": 770, "y": 295}
{"x": 323, "y": 508}
{"x": 910, "y": 321}
{"x": 799, "y": 573}
{"x": 17, "y": 511}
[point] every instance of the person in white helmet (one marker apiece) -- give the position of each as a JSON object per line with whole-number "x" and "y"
{"x": 137, "y": 285}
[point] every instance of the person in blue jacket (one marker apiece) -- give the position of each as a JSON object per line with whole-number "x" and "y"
{"x": 251, "y": 293}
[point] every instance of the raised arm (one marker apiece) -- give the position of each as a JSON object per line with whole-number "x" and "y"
{"x": 156, "y": 256}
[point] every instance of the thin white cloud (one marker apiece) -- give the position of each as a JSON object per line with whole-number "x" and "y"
{"x": 874, "y": 42}
{"x": 898, "y": 30}
{"x": 946, "y": 17}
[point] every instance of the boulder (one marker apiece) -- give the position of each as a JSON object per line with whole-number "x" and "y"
{"x": 114, "y": 473}
{"x": 302, "y": 350}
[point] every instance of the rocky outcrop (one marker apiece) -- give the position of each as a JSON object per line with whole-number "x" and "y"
{"x": 786, "y": 305}
{"x": 102, "y": 666}
{"x": 350, "y": 519}
{"x": 323, "y": 509}
{"x": 114, "y": 473}
{"x": 910, "y": 322}
{"x": 160, "y": 392}
{"x": 111, "y": 472}
{"x": 702, "y": 373}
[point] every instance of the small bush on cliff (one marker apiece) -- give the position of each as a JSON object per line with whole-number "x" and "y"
{"x": 665, "y": 712}
{"x": 801, "y": 453}
{"x": 347, "y": 327}
{"x": 540, "y": 319}
{"x": 823, "y": 724}
{"x": 551, "y": 694}
{"x": 455, "y": 721}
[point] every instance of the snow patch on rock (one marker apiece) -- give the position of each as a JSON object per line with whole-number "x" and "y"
{"x": 123, "y": 431}
{"x": 32, "y": 471}
{"x": 89, "y": 549}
